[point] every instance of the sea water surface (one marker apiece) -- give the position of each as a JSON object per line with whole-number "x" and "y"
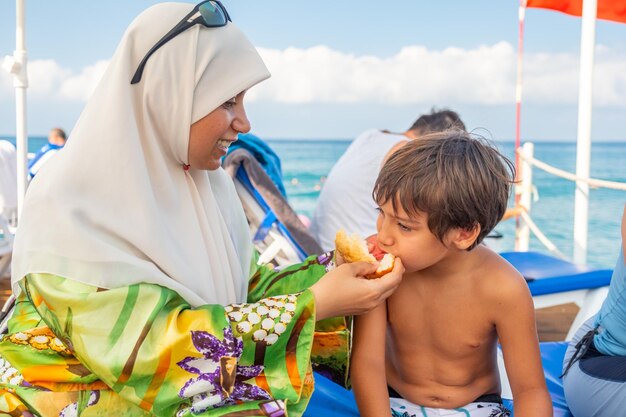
{"x": 306, "y": 163}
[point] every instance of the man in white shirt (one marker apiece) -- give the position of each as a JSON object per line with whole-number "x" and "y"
{"x": 345, "y": 201}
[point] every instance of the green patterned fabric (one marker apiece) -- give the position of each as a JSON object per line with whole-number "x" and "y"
{"x": 75, "y": 349}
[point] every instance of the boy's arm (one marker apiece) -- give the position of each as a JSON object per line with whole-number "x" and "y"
{"x": 515, "y": 324}
{"x": 368, "y": 363}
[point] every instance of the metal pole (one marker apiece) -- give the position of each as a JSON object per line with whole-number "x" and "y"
{"x": 518, "y": 85}
{"x": 518, "y": 112}
{"x": 16, "y": 65}
{"x": 523, "y": 232}
{"x": 583, "y": 148}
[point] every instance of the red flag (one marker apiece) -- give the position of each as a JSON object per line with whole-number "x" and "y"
{"x": 614, "y": 10}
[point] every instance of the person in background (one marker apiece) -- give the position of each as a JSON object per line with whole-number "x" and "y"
{"x": 594, "y": 366}
{"x": 345, "y": 199}
{"x": 56, "y": 141}
{"x": 138, "y": 292}
{"x": 8, "y": 181}
{"x": 431, "y": 348}
{"x": 8, "y": 204}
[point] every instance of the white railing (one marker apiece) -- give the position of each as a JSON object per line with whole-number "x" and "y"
{"x": 525, "y": 189}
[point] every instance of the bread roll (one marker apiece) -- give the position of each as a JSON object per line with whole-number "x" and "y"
{"x": 354, "y": 249}
{"x": 385, "y": 267}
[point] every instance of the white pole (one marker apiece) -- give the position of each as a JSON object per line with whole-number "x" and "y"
{"x": 526, "y": 186}
{"x": 518, "y": 118}
{"x": 16, "y": 65}
{"x": 583, "y": 149}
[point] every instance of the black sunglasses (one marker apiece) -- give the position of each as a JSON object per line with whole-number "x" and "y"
{"x": 210, "y": 13}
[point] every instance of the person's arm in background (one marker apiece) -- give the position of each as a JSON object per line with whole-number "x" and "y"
{"x": 513, "y": 212}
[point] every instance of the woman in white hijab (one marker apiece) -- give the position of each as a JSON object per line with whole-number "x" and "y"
{"x": 132, "y": 255}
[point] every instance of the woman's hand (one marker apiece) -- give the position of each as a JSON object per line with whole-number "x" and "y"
{"x": 339, "y": 258}
{"x": 345, "y": 292}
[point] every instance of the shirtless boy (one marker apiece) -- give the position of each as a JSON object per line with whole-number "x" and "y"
{"x": 431, "y": 349}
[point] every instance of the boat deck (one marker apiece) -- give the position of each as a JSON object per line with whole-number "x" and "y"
{"x": 5, "y": 289}
{"x": 553, "y": 323}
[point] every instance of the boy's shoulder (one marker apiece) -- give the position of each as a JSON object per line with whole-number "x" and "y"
{"x": 498, "y": 277}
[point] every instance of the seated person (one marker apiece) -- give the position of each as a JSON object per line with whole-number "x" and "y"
{"x": 594, "y": 377}
{"x": 56, "y": 140}
{"x": 8, "y": 181}
{"x": 353, "y": 176}
{"x": 135, "y": 300}
{"x": 430, "y": 349}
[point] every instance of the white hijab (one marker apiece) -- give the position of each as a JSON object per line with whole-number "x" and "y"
{"x": 115, "y": 207}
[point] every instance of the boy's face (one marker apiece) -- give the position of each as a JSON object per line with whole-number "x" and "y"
{"x": 408, "y": 238}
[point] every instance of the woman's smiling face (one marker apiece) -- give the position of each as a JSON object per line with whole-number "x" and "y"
{"x": 210, "y": 137}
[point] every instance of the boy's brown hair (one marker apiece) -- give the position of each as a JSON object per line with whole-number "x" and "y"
{"x": 459, "y": 180}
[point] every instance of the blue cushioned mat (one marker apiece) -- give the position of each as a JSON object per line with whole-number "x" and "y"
{"x": 548, "y": 275}
{"x": 332, "y": 400}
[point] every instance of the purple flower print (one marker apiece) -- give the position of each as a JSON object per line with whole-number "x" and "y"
{"x": 220, "y": 379}
{"x": 326, "y": 260}
{"x": 71, "y": 410}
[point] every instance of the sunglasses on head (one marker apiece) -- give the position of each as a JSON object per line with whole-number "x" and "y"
{"x": 210, "y": 13}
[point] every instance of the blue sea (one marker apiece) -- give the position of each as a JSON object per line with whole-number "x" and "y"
{"x": 305, "y": 164}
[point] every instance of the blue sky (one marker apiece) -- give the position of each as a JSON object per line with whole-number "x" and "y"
{"x": 344, "y": 66}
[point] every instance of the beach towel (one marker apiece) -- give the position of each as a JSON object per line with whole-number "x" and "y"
{"x": 264, "y": 155}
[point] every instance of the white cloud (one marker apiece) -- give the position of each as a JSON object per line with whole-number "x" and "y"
{"x": 484, "y": 76}
{"x": 6, "y": 83}
{"x": 80, "y": 87}
{"x": 46, "y": 78}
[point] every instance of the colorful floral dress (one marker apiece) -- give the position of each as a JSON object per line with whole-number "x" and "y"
{"x": 78, "y": 350}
